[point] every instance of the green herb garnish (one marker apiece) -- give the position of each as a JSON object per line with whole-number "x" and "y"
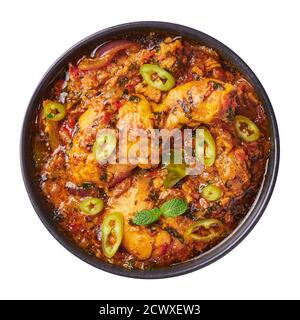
{"x": 217, "y": 85}
{"x": 153, "y": 196}
{"x": 174, "y": 233}
{"x": 230, "y": 114}
{"x": 122, "y": 81}
{"x": 172, "y": 208}
{"x": 145, "y": 217}
{"x": 103, "y": 176}
{"x": 135, "y": 99}
{"x": 87, "y": 185}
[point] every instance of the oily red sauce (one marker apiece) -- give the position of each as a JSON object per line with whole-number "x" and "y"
{"x": 66, "y": 176}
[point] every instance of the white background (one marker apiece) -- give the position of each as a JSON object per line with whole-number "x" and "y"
{"x": 265, "y": 34}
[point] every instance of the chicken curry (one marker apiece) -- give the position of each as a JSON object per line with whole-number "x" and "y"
{"x": 142, "y": 216}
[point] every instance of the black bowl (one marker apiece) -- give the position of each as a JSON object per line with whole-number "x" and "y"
{"x": 84, "y": 47}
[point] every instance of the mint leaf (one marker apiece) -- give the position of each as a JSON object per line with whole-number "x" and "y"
{"x": 174, "y": 207}
{"x": 145, "y": 217}
{"x": 171, "y": 208}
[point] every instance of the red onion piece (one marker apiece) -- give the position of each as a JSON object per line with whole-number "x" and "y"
{"x": 114, "y": 47}
{"x": 105, "y": 54}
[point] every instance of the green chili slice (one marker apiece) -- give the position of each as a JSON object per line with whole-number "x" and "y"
{"x": 91, "y": 206}
{"x": 212, "y": 192}
{"x": 176, "y": 170}
{"x": 112, "y": 233}
{"x": 54, "y": 111}
{"x": 105, "y": 145}
{"x": 209, "y": 148}
{"x": 175, "y": 174}
{"x": 246, "y": 129}
{"x": 157, "y": 77}
{"x": 207, "y": 225}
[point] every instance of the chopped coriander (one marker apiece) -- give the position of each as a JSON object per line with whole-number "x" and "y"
{"x": 135, "y": 99}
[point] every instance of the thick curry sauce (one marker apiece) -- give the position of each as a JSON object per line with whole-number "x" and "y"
{"x": 152, "y": 83}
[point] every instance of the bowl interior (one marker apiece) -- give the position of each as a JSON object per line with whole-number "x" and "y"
{"x": 132, "y": 30}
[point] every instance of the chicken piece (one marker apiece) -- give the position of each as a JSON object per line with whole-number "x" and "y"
{"x": 161, "y": 244}
{"x": 121, "y": 187}
{"x": 231, "y": 161}
{"x": 137, "y": 242}
{"x": 223, "y": 138}
{"x": 196, "y": 102}
{"x": 148, "y": 91}
{"x": 137, "y": 239}
{"x": 232, "y": 168}
{"x": 166, "y": 55}
{"x": 211, "y": 63}
{"x": 134, "y": 115}
{"x": 117, "y": 172}
{"x": 83, "y": 166}
{"x": 169, "y": 248}
{"x": 140, "y": 241}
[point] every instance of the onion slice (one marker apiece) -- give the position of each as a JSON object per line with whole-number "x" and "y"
{"x": 106, "y": 53}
